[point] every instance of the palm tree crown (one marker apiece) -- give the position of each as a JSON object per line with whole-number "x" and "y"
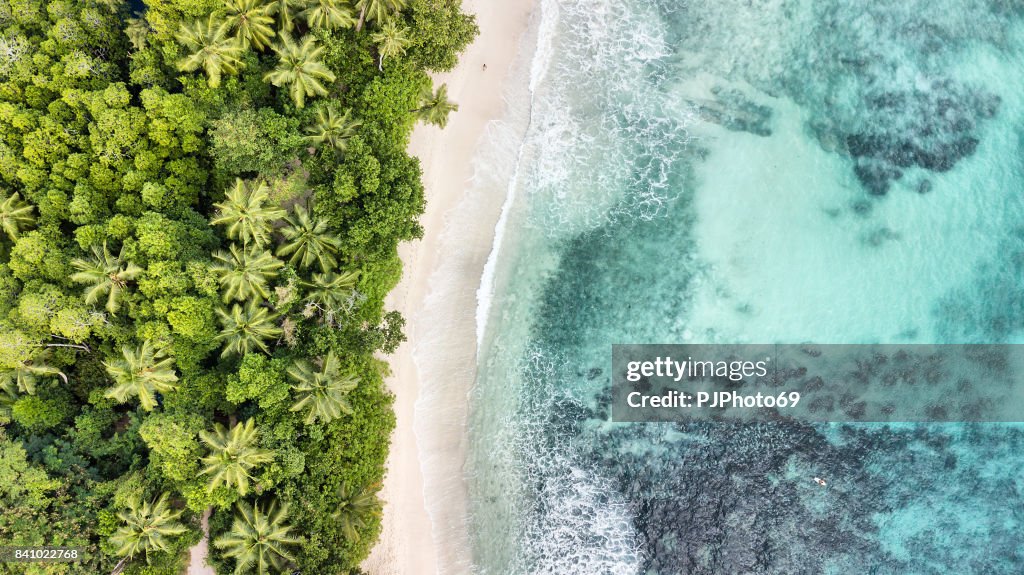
{"x": 330, "y": 292}
{"x": 377, "y": 10}
{"x": 244, "y": 273}
{"x": 24, "y": 376}
{"x": 143, "y": 372}
{"x": 147, "y": 527}
{"x": 233, "y": 454}
{"x": 299, "y": 67}
{"x": 213, "y": 49}
{"x": 244, "y": 214}
{"x": 355, "y": 508}
{"x": 435, "y": 107}
{"x": 250, "y": 22}
{"x": 285, "y": 12}
{"x": 259, "y": 539}
{"x": 15, "y": 215}
{"x": 323, "y": 392}
{"x": 307, "y": 240}
{"x": 328, "y": 15}
{"x": 332, "y": 129}
{"x": 107, "y": 274}
{"x": 391, "y": 42}
{"x": 246, "y": 328}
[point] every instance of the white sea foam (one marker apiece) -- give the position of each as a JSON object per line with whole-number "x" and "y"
{"x": 548, "y": 19}
{"x": 597, "y": 104}
{"x": 575, "y": 523}
{"x": 581, "y": 164}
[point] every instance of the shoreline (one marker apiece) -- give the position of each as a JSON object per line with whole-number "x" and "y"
{"x": 438, "y": 298}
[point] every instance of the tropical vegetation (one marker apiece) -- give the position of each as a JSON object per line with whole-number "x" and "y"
{"x": 200, "y": 207}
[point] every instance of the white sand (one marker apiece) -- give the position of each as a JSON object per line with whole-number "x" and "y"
{"x": 198, "y": 553}
{"x": 437, "y": 296}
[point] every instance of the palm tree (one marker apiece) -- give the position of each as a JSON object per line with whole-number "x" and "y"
{"x": 244, "y": 214}
{"x": 307, "y": 240}
{"x": 435, "y": 107}
{"x": 213, "y": 49}
{"x": 328, "y": 15}
{"x": 8, "y": 397}
{"x": 299, "y": 67}
{"x": 391, "y": 42}
{"x": 259, "y": 539}
{"x": 245, "y": 329}
{"x": 15, "y": 215}
{"x": 356, "y": 506}
{"x": 377, "y": 10}
{"x": 285, "y": 11}
{"x": 147, "y": 527}
{"x": 25, "y": 374}
{"x": 108, "y": 275}
{"x": 324, "y": 392}
{"x": 143, "y": 372}
{"x": 331, "y": 291}
{"x": 233, "y": 454}
{"x": 244, "y": 273}
{"x": 251, "y": 23}
{"x": 332, "y": 129}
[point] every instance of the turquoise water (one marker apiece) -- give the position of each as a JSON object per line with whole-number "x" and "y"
{"x": 753, "y": 171}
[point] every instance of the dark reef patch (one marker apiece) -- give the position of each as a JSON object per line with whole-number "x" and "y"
{"x": 931, "y": 130}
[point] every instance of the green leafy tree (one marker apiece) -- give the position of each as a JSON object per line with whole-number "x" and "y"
{"x": 259, "y": 539}
{"x": 15, "y": 215}
{"x": 285, "y": 11}
{"x": 138, "y": 31}
{"x": 251, "y": 23}
{"x": 377, "y": 10}
{"x": 107, "y": 275}
{"x": 356, "y": 509}
{"x": 435, "y": 107}
{"x": 325, "y": 392}
{"x": 142, "y": 372}
{"x": 299, "y": 67}
{"x": 442, "y": 31}
{"x": 213, "y": 49}
{"x": 233, "y": 455}
{"x": 244, "y": 213}
{"x": 246, "y": 329}
{"x": 308, "y": 240}
{"x": 332, "y": 129}
{"x": 263, "y": 141}
{"x": 147, "y": 527}
{"x": 244, "y": 273}
{"x": 391, "y": 42}
{"x": 328, "y": 15}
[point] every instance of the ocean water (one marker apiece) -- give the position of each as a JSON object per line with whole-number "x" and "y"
{"x": 751, "y": 171}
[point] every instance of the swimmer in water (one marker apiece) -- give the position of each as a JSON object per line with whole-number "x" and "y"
{"x": 820, "y": 481}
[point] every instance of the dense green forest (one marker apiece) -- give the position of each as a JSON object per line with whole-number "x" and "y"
{"x": 200, "y": 205}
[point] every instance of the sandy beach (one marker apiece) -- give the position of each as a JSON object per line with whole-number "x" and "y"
{"x": 424, "y": 516}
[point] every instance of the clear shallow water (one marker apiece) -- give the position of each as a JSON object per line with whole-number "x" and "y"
{"x": 738, "y": 171}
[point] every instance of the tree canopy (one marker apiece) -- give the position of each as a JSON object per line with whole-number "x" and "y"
{"x": 200, "y": 208}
